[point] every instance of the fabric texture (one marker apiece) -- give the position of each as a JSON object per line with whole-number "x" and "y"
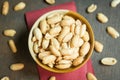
{"x": 79, "y": 74}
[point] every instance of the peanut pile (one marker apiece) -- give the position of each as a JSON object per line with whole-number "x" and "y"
{"x": 61, "y": 41}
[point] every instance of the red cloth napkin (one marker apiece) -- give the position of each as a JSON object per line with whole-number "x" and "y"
{"x": 79, "y": 74}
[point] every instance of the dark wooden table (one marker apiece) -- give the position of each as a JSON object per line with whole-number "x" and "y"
{"x": 16, "y": 20}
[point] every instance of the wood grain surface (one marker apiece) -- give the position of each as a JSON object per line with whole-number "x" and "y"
{"x": 16, "y": 20}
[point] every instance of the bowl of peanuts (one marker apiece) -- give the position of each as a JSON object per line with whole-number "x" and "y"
{"x": 61, "y": 41}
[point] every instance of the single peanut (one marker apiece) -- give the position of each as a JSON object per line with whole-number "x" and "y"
{"x": 114, "y": 3}
{"x": 113, "y": 32}
{"x": 78, "y": 61}
{"x": 86, "y": 36}
{"x": 17, "y": 66}
{"x": 9, "y": 32}
{"x": 98, "y": 46}
{"x": 55, "y": 43}
{"x": 71, "y": 57}
{"x": 41, "y": 50}
{"x": 52, "y": 78}
{"x": 76, "y": 41}
{"x": 102, "y": 18}
{"x": 43, "y": 54}
{"x": 5, "y": 78}
{"x": 67, "y": 21}
{"x": 20, "y": 6}
{"x": 54, "y": 51}
{"x": 45, "y": 43}
{"x": 63, "y": 33}
{"x": 66, "y": 51}
{"x": 67, "y": 37}
{"x": 63, "y": 66}
{"x": 12, "y": 46}
{"x": 34, "y": 39}
{"x": 35, "y": 47}
{"x": 83, "y": 30}
{"x": 78, "y": 22}
{"x": 64, "y": 62}
{"x": 50, "y": 1}
{"x": 43, "y": 26}
{"x": 74, "y": 55}
{"x": 48, "y": 59}
{"x": 109, "y": 61}
{"x": 55, "y": 30}
{"x": 90, "y": 76}
{"x": 64, "y": 45}
{"x": 77, "y": 29}
{"x": 48, "y": 36}
{"x": 51, "y": 65}
{"x": 85, "y": 48}
{"x": 72, "y": 28}
{"x": 91, "y": 8}
{"x": 38, "y": 34}
{"x": 5, "y": 8}
{"x": 54, "y": 19}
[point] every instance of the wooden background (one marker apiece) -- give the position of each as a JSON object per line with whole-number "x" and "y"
{"x": 16, "y": 20}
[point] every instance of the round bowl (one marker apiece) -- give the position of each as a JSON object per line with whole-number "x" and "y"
{"x": 75, "y": 15}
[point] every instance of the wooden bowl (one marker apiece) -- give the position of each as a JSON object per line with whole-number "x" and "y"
{"x": 75, "y": 15}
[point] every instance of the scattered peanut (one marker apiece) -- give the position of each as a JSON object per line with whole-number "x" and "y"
{"x": 50, "y": 1}
{"x": 52, "y": 78}
{"x": 5, "y": 78}
{"x": 90, "y": 76}
{"x": 114, "y": 3}
{"x": 98, "y": 46}
{"x": 5, "y": 8}
{"x": 17, "y": 66}
{"x": 102, "y": 18}
{"x": 19, "y": 6}
{"x": 109, "y": 61}
{"x": 91, "y": 8}
{"x": 113, "y": 32}
{"x": 12, "y": 46}
{"x": 9, "y": 32}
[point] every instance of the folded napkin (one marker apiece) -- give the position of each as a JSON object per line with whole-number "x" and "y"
{"x": 79, "y": 74}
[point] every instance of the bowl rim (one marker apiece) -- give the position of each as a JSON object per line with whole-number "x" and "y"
{"x": 64, "y": 11}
